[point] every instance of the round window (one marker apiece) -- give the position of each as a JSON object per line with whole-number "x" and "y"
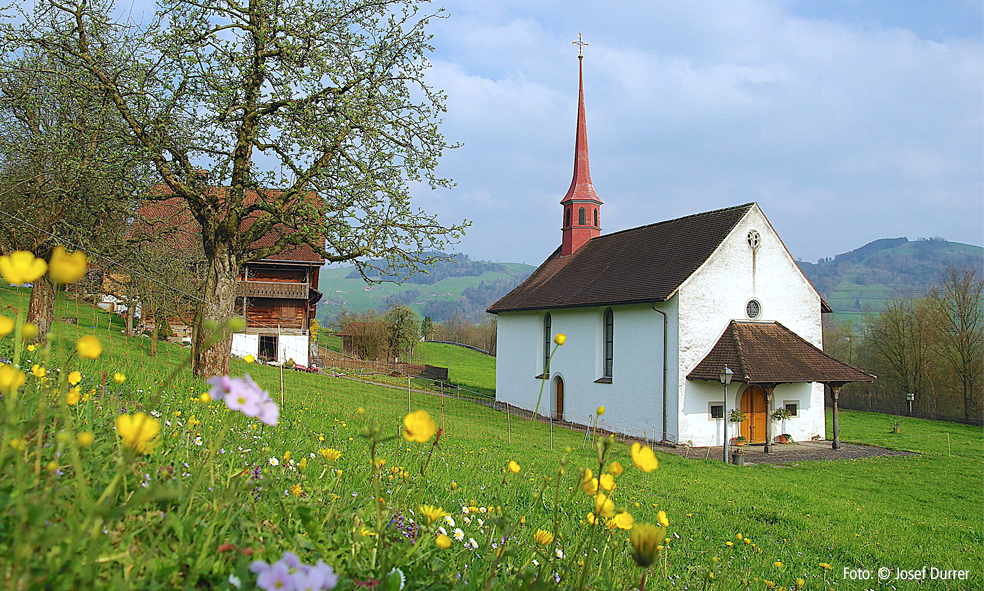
{"x": 753, "y": 239}
{"x": 753, "y": 309}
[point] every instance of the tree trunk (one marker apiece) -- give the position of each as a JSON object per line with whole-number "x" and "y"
{"x": 131, "y": 311}
{"x": 41, "y": 310}
{"x": 152, "y": 352}
{"x": 219, "y": 306}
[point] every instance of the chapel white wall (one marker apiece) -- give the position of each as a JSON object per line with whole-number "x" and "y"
{"x": 717, "y": 293}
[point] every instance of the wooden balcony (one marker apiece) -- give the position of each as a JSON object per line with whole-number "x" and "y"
{"x": 272, "y": 289}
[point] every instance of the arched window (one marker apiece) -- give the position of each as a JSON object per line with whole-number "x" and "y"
{"x": 580, "y": 216}
{"x": 609, "y": 341}
{"x": 546, "y": 342}
{"x": 567, "y": 220}
{"x": 596, "y": 217}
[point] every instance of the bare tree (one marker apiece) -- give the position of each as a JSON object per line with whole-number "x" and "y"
{"x": 960, "y": 316}
{"x": 899, "y": 339}
{"x": 329, "y": 93}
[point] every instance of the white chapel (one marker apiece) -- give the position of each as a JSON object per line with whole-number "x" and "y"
{"x": 653, "y": 314}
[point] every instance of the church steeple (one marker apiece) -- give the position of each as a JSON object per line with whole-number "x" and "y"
{"x": 582, "y": 206}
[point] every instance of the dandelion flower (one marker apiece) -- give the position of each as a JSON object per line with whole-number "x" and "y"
{"x": 544, "y": 537}
{"x": 825, "y": 566}
{"x": 730, "y": 544}
{"x": 21, "y": 266}
{"x": 66, "y": 268}
{"x": 644, "y": 458}
{"x": 645, "y": 539}
{"x": 138, "y": 431}
{"x": 296, "y": 490}
{"x": 432, "y": 513}
{"x": 330, "y": 454}
{"x": 89, "y": 347}
{"x": 443, "y": 542}
{"x": 777, "y": 564}
{"x": 513, "y": 467}
{"x": 418, "y": 426}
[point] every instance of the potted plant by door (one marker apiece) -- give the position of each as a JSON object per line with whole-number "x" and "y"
{"x": 781, "y": 414}
{"x": 735, "y": 417}
{"x": 738, "y": 457}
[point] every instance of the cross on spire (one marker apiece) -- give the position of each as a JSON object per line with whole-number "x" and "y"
{"x": 580, "y": 46}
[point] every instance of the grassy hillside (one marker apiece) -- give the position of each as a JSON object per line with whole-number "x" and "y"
{"x": 222, "y": 490}
{"x": 865, "y": 278}
{"x": 340, "y": 290}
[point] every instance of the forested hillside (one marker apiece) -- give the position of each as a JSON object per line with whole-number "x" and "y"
{"x": 864, "y": 278}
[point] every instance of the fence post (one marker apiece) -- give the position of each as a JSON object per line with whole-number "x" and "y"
{"x": 551, "y": 431}
{"x": 443, "y": 426}
{"x": 409, "y": 409}
{"x": 508, "y": 423}
{"x": 587, "y": 429}
{"x": 948, "y": 445}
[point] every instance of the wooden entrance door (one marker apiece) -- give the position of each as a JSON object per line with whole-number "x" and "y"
{"x": 756, "y": 414}
{"x": 559, "y": 401}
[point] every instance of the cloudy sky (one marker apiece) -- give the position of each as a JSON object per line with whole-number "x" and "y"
{"x": 846, "y": 120}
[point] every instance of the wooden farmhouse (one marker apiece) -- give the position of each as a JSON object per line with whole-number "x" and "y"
{"x": 277, "y": 295}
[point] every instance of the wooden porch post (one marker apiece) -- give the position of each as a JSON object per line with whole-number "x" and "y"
{"x": 768, "y": 388}
{"x": 835, "y": 388}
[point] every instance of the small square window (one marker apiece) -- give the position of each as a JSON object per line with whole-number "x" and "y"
{"x": 717, "y": 411}
{"x": 793, "y": 408}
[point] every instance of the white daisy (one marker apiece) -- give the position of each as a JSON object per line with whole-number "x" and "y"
{"x": 449, "y": 520}
{"x": 458, "y": 534}
{"x": 274, "y": 462}
{"x": 473, "y": 543}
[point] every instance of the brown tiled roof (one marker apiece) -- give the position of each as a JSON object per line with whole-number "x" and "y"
{"x": 174, "y": 216}
{"x": 768, "y": 352}
{"x": 644, "y": 264}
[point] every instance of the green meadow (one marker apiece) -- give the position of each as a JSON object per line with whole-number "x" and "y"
{"x": 221, "y": 490}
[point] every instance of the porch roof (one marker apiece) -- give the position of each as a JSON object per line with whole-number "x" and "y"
{"x": 770, "y": 353}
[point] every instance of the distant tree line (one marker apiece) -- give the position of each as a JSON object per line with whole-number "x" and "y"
{"x": 471, "y": 305}
{"x": 457, "y": 265}
{"x": 930, "y": 346}
{"x": 394, "y": 334}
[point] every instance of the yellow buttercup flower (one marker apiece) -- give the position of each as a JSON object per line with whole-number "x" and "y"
{"x": 249, "y": 359}
{"x": 119, "y": 378}
{"x": 777, "y": 564}
{"x": 38, "y": 371}
{"x": 590, "y": 487}
{"x": 330, "y": 454}
{"x": 6, "y": 326}
{"x": 29, "y": 331}
{"x": 800, "y": 583}
{"x": 607, "y": 482}
{"x": 89, "y": 347}
{"x": 544, "y": 537}
{"x": 663, "y": 519}
{"x": 73, "y": 395}
{"x": 443, "y": 542}
{"x": 17, "y": 444}
{"x": 604, "y": 506}
{"x": 514, "y": 467}
{"x": 418, "y": 426}
{"x": 623, "y": 520}
{"x": 432, "y": 513}
{"x": 615, "y": 468}
{"x": 591, "y": 518}
{"x": 66, "y": 268}
{"x": 138, "y": 431}
{"x": 644, "y": 458}
{"x": 11, "y": 378}
{"x": 85, "y": 439}
{"x": 600, "y": 411}
{"x": 204, "y": 398}
{"x": 74, "y": 378}
{"x": 645, "y": 540}
{"x": 560, "y": 338}
{"x": 22, "y": 267}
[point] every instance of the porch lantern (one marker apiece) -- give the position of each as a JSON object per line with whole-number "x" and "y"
{"x": 725, "y": 377}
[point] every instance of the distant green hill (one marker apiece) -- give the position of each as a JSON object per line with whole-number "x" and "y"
{"x": 461, "y": 285}
{"x": 864, "y": 278}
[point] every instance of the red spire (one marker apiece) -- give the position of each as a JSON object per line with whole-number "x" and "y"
{"x": 581, "y": 204}
{"x": 581, "y": 187}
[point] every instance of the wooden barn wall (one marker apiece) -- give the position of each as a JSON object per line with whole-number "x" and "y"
{"x": 273, "y": 313}
{"x": 284, "y": 274}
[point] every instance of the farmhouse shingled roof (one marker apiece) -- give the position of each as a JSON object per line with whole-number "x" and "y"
{"x": 644, "y": 264}
{"x": 173, "y": 215}
{"x": 768, "y": 352}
